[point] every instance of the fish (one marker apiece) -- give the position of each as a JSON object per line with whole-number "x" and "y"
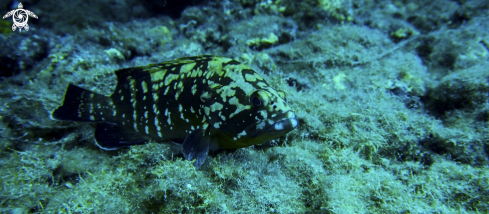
{"x": 202, "y": 102}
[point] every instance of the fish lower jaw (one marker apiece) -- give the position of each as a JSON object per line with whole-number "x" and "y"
{"x": 287, "y": 124}
{"x": 279, "y": 128}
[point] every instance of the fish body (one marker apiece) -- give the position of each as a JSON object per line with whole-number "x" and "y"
{"x": 202, "y": 102}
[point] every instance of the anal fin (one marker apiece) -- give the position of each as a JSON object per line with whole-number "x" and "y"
{"x": 196, "y": 146}
{"x": 110, "y": 136}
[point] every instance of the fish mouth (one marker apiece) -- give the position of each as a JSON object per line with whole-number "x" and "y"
{"x": 272, "y": 128}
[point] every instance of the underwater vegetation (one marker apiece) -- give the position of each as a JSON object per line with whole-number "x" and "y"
{"x": 391, "y": 99}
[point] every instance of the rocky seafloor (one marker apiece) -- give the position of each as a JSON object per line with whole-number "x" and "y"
{"x": 391, "y": 97}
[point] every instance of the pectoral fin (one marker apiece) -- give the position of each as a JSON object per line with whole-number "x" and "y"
{"x": 196, "y": 146}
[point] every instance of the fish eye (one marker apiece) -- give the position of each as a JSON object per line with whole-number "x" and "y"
{"x": 259, "y": 99}
{"x": 256, "y": 102}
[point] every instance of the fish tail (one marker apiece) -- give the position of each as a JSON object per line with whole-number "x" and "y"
{"x": 83, "y": 105}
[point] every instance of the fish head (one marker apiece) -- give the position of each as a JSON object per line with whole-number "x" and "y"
{"x": 247, "y": 116}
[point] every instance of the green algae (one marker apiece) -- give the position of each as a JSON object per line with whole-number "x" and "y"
{"x": 387, "y": 124}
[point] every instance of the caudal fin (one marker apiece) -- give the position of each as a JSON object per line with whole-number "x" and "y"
{"x": 83, "y": 105}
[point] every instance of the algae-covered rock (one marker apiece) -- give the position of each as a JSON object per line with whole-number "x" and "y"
{"x": 465, "y": 90}
{"x": 391, "y": 100}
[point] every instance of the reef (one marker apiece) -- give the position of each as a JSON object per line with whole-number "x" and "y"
{"x": 392, "y": 102}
